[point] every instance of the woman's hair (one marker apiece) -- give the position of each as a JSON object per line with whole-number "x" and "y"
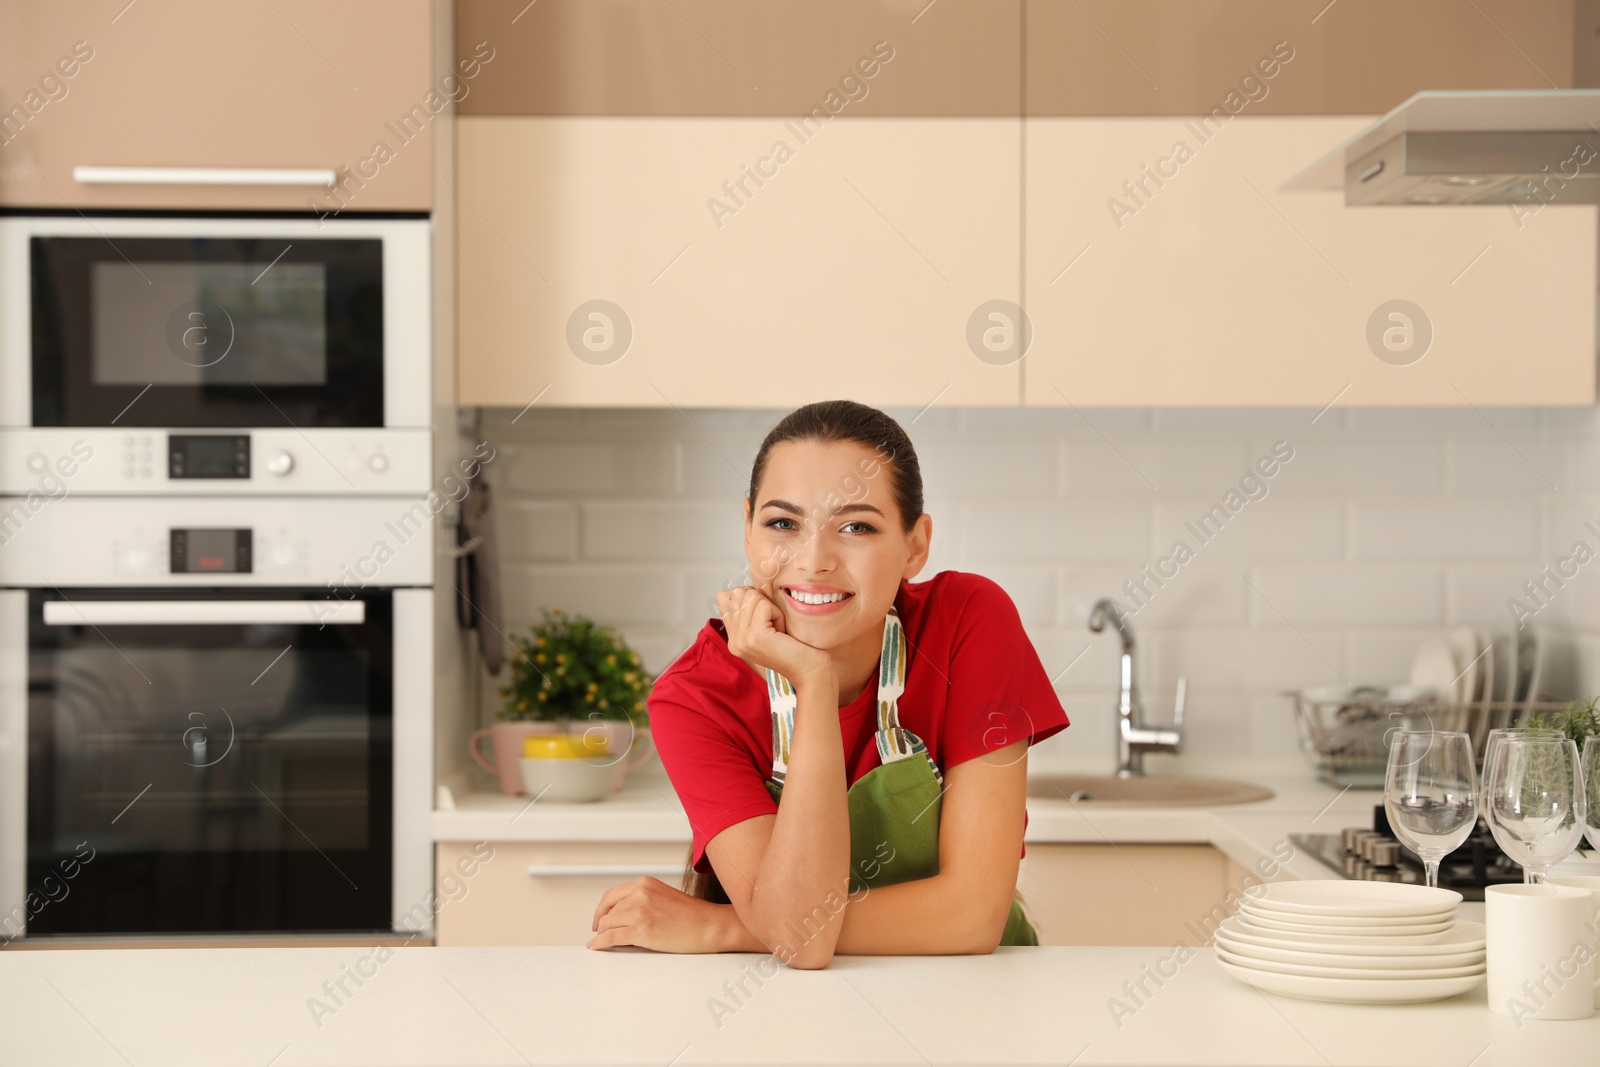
{"x": 828, "y": 421}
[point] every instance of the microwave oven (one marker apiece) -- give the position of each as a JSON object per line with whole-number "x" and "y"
{"x": 204, "y": 355}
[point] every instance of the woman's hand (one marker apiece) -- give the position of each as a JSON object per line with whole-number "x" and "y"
{"x": 756, "y": 632}
{"x": 651, "y": 914}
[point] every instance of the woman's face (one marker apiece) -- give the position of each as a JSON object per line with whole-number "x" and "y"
{"x": 826, "y": 521}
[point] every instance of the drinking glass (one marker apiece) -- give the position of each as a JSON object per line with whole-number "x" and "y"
{"x": 1488, "y": 752}
{"x": 1537, "y": 808}
{"x": 1591, "y": 789}
{"x": 1430, "y": 792}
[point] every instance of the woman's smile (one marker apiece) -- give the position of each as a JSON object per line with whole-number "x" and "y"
{"x": 812, "y": 599}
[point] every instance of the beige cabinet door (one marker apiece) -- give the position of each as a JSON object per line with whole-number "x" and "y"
{"x": 537, "y": 893}
{"x": 187, "y": 85}
{"x": 1165, "y": 268}
{"x": 1078, "y": 894}
{"x": 743, "y": 262}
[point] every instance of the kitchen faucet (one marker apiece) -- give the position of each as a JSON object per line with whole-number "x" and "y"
{"x": 1134, "y": 738}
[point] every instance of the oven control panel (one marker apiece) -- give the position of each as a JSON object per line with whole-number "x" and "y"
{"x": 53, "y": 461}
{"x": 345, "y": 544}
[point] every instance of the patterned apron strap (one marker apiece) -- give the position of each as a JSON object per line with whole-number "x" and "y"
{"x": 894, "y": 742}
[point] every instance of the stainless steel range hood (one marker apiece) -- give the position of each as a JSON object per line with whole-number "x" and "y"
{"x": 1470, "y": 147}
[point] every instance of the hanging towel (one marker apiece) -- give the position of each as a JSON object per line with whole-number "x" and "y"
{"x": 478, "y": 574}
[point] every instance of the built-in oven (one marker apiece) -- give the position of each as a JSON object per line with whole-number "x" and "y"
{"x": 216, "y": 355}
{"x": 215, "y": 716}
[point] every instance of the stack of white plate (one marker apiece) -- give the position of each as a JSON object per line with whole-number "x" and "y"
{"x": 1351, "y": 941}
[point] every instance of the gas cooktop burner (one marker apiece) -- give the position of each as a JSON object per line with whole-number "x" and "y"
{"x": 1376, "y": 856}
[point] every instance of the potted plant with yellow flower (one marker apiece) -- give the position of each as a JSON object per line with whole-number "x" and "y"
{"x": 571, "y": 675}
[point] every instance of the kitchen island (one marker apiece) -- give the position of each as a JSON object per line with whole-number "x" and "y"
{"x": 291, "y": 1006}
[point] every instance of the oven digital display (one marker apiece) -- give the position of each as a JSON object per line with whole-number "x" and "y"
{"x": 211, "y": 551}
{"x": 208, "y": 456}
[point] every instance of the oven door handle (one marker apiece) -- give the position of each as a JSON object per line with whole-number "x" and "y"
{"x": 203, "y": 612}
{"x": 202, "y": 175}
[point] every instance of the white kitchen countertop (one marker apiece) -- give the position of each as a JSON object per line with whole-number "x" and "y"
{"x": 175, "y": 1007}
{"x": 647, "y": 809}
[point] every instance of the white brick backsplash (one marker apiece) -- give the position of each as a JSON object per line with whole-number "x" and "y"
{"x": 1051, "y": 531}
{"x": 1198, "y": 595}
{"x": 1097, "y": 466}
{"x": 1272, "y": 726}
{"x": 1290, "y": 423}
{"x": 617, "y": 596}
{"x": 1435, "y": 422}
{"x": 1478, "y": 595}
{"x": 1515, "y": 464}
{"x": 1383, "y": 657}
{"x": 648, "y": 532}
{"x": 583, "y": 468}
{"x": 1331, "y": 595}
{"x": 532, "y": 531}
{"x": 1342, "y": 467}
{"x": 1245, "y": 661}
{"x": 1439, "y": 529}
{"x": 719, "y": 469}
{"x": 1273, "y": 528}
{"x": 1387, "y": 527}
{"x": 968, "y": 469}
{"x": 1210, "y": 724}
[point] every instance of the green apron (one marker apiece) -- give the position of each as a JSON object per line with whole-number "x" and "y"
{"x": 894, "y": 808}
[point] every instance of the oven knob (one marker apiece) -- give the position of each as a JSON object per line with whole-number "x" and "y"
{"x": 378, "y": 462}
{"x": 280, "y": 464}
{"x": 282, "y": 556}
{"x": 136, "y": 559}
{"x": 37, "y": 462}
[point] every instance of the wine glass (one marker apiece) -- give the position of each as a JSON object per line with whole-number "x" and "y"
{"x": 1537, "y": 806}
{"x": 1591, "y": 789}
{"x": 1430, "y": 793}
{"x": 1488, "y": 752}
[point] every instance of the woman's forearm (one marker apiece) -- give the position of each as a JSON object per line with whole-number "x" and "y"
{"x": 800, "y": 891}
{"x": 924, "y": 917}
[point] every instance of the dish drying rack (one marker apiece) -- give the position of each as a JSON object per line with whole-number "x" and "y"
{"x": 1345, "y": 733}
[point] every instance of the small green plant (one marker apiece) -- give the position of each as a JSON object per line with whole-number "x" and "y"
{"x": 1578, "y": 721}
{"x": 568, "y": 667}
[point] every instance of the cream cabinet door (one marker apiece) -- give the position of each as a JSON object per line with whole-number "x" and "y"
{"x": 196, "y": 86}
{"x": 748, "y": 262}
{"x": 537, "y": 893}
{"x": 1165, "y": 268}
{"x": 1079, "y": 894}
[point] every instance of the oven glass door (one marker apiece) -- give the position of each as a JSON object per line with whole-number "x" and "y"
{"x": 209, "y": 761}
{"x": 205, "y": 331}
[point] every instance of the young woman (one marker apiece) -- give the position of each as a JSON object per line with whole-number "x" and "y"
{"x": 850, "y": 747}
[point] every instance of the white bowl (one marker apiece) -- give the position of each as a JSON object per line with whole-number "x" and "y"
{"x": 568, "y": 779}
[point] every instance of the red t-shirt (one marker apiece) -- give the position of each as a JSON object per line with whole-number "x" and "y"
{"x": 974, "y": 683}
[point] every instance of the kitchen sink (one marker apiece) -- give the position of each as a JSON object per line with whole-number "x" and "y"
{"x": 1106, "y": 790}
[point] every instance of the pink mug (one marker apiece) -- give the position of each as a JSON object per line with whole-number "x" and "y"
{"x": 507, "y": 739}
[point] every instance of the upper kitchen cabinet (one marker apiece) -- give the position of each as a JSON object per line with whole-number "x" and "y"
{"x": 702, "y": 205}
{"x": 1167, "y": 265}
{"x": 1351, "y": 57}
{"x": 194, "y": 104}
